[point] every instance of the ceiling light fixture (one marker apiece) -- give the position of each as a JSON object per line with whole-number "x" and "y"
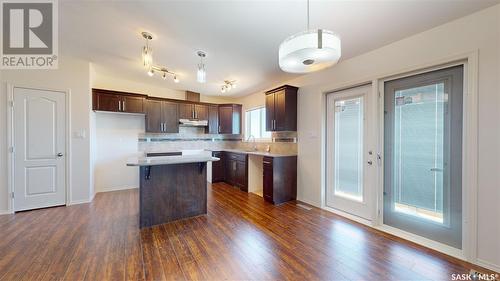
{"x": 228, "y": 86}
{"x": 310, "y": 50}
{"x": 147, "y": 60}
{"x": 147, "y": 51}
{"x": 201, "y": 74}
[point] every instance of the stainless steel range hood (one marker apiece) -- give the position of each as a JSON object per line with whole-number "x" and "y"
{"x": 193, "y": 123}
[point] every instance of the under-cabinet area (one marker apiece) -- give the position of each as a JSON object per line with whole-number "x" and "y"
{"x": 273, "y": 177}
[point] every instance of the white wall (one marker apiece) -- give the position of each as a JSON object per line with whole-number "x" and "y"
{"x": 116, "y": 141}
{"x": 73, "y": 74}
{"x": 479, "y": 31}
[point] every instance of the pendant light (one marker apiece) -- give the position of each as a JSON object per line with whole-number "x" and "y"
{"x": 310, "y": 50}
{"x": 201, "y": 75}
{"x": 147, "y": 51}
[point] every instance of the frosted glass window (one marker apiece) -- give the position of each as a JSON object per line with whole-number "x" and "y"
{"x": 348, "y": 174}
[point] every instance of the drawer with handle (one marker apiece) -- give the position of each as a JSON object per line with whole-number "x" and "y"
{"x": 237, "y": 156}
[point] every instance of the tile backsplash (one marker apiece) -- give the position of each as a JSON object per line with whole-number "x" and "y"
{"x": 195, "y": 138}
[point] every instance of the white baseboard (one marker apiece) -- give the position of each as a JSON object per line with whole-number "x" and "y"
{"x": 5, "y": 212}
{"x": 309, "y": 202}
{"x": 440, "y": 247}
{"x": 349, "y": 216}
{"x": 488, "y": 265}
{"x": 77, "y": 202}
{"x": 114, "y": 189}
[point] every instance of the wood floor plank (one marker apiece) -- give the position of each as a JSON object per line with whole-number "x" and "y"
{"x": 241, "y": 238}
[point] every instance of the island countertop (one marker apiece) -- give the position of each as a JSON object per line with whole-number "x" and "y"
{"x": 168, "y": 160}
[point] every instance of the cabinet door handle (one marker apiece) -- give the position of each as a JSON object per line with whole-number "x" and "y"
{"x": 163, "y": 127}
{"x": 123, "y": 105}
{"x": 265, "y": 162}
{"x": 219, "y": 130}
{"x": 119, "y": 105}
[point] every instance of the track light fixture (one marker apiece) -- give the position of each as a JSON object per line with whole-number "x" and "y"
{"x": 228, "y": 86}
{"x": 147, "y": 60}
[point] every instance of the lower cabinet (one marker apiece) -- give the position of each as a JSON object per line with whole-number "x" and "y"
{"x": 279, "y": 179}
{"x": 279, "y": 174}
{"x": 232, "y": 169}
{"x": 218, "y": 167}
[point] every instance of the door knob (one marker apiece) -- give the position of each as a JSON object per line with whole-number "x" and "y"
{"x": 59, "y": 154}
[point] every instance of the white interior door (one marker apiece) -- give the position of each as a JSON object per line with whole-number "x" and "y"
{"x": 351, "y": 156}
{"x": 39, "y": 138}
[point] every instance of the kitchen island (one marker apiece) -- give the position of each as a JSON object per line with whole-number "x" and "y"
{"x": 171, "y": 187}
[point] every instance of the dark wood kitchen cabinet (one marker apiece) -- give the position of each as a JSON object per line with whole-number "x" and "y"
{"x": 279, "y": 179}
{"x": 219, "y": 167}
{"x": 281, "y": 109}
{"x": 162, "y": 116}
{"x": 193, "y": 111}
{"x": 106, "y": 100}
{"x": 230, "y": 119}
{"x": 213, "y": 119}
{"x": 232, "y": 169}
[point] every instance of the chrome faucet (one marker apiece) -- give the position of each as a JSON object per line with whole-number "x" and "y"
{"x": 254, "y": 144}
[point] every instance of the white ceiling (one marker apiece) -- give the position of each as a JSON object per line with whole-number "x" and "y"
{"x": 241, "y": 38}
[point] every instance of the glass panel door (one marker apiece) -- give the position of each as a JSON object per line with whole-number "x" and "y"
{"x": 349, "y": 161}
{"x": 348, "y": 153}
{"x": 423, "y": 144}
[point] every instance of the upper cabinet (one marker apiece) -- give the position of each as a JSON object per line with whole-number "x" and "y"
{"x": 281, "y": 109}
{"x": 193, "y": 111}
{"x": 162, "y": 116}
{"x": 213, "y": 119}
{"x": 230, "y": 119}
{"x": 105, "y": 100}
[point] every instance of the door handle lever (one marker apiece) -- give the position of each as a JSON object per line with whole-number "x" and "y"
{"x": 59, "y": 154}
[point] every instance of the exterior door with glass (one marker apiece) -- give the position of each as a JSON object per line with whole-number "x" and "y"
{"x": 351, "y": 158}
{"x": 423, "y": 155}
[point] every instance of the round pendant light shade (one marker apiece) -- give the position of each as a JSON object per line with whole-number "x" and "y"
{"x": 309, "y": 51}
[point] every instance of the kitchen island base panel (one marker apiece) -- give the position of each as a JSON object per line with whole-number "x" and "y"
{"x": 172, "y": 192}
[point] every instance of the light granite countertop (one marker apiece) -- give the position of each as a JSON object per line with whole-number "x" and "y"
{"x": 168, "y": 160}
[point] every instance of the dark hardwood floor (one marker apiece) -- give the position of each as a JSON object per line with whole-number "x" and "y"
{"x": 241, "y": 238}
